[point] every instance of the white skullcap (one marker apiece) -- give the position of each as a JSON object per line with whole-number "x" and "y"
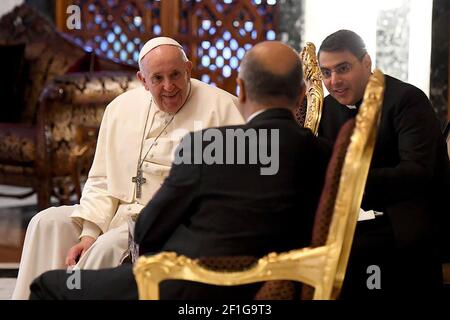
{"x": 156, "y": 42}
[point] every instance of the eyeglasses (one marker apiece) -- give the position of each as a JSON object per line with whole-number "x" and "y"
{"x": 341, "y": 69}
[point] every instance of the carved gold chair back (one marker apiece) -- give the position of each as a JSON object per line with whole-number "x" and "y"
{"x": 308, "y": 114}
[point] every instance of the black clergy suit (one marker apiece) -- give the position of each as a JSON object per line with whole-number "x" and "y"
{"x": 406, "y": 182}
{"x": 222, "y": 210}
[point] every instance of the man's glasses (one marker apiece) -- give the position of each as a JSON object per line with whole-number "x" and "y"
{"x": 341, "y": 69}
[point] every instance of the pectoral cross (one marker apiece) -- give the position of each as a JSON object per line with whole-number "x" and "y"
{"x": 139, "y": 180}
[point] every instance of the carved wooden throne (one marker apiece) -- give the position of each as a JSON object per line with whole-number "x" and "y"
{"x": 49, "y": 142}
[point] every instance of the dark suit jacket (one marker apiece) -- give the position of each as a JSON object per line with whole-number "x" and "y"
{"x": 222, "y": 210}
{"x": 409, "y": 165}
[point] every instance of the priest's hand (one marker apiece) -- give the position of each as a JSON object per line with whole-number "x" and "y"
{"x": 78, "y": 250}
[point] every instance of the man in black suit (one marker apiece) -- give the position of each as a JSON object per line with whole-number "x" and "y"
{"x": 406, "y": 181}
{"x": 244, "y": 190}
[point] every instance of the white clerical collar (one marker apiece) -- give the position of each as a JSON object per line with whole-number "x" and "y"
{"x": 254, "y": 114}
{"x": 351, "y": 106}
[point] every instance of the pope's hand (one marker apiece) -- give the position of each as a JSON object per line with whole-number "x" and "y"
{"x": 78, "y": 250}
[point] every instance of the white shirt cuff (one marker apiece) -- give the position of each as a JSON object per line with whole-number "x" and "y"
{"x": 90, "y": 229}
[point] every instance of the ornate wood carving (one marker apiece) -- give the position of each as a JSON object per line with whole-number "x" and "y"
{"x": 117, "y": 29}
{"x": 218, "y": 33}
{"x": 314, "y": 91}
{"x": 215, "y": 33}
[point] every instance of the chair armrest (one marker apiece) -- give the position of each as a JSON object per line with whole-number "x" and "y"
{"x": 298, "y": 265}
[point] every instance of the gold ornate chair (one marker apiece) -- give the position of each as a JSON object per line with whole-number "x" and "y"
{"x": 308, "y": 114}
{"x": 323, "y": 264}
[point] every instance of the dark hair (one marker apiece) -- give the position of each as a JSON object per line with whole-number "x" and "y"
{"x": 344, "y": 40}
{"x": 262, "y": 84}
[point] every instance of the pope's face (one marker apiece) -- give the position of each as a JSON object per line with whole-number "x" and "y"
{"x": 167, "y": 76}
{"x": 344, "y": 75}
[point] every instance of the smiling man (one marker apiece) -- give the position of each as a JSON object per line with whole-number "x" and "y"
{"x": 406, "y": 182}
{"x": 139, "y": 132}
{"x": 165, "y": 72}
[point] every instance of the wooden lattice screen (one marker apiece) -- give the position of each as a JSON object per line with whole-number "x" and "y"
{"x": 215, "y": 33}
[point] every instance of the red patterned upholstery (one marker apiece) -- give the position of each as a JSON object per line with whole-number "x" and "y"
{"x": 230, "y": 263}
{"x": 287, "y": 289}
{"x": 300, "y": 113}
{"x": 278, "y": 290}
{"x": 325, "y": 209}
{"x": 327, "y": 200}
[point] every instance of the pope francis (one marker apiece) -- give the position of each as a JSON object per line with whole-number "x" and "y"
{"x": 138, "y": 134}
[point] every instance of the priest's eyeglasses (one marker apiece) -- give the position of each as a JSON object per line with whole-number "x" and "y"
{"x": 340, "y": 69}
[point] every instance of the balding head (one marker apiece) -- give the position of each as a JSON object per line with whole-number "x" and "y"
{"x": 272, "y": 74}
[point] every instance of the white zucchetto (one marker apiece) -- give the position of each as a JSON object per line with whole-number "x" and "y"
{"x": 156, "y": 42}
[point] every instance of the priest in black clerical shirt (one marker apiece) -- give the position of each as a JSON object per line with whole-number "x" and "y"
{"x": 408, "y": 179}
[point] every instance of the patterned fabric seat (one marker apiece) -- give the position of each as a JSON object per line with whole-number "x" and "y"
{"x": 42, "y": 135}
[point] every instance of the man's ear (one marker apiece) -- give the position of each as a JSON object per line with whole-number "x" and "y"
{"x": 189, "y": 68}
{"x": 367, "y": 62}
{"x": 242, "y": 97}
{"x": 141, "y": 78}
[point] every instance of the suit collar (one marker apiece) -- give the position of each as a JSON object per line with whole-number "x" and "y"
{"x": 254, "y": 114}
{"x": 273, "y": 113}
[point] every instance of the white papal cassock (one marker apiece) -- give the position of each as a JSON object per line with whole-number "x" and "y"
{"x": 108, "y": 197}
